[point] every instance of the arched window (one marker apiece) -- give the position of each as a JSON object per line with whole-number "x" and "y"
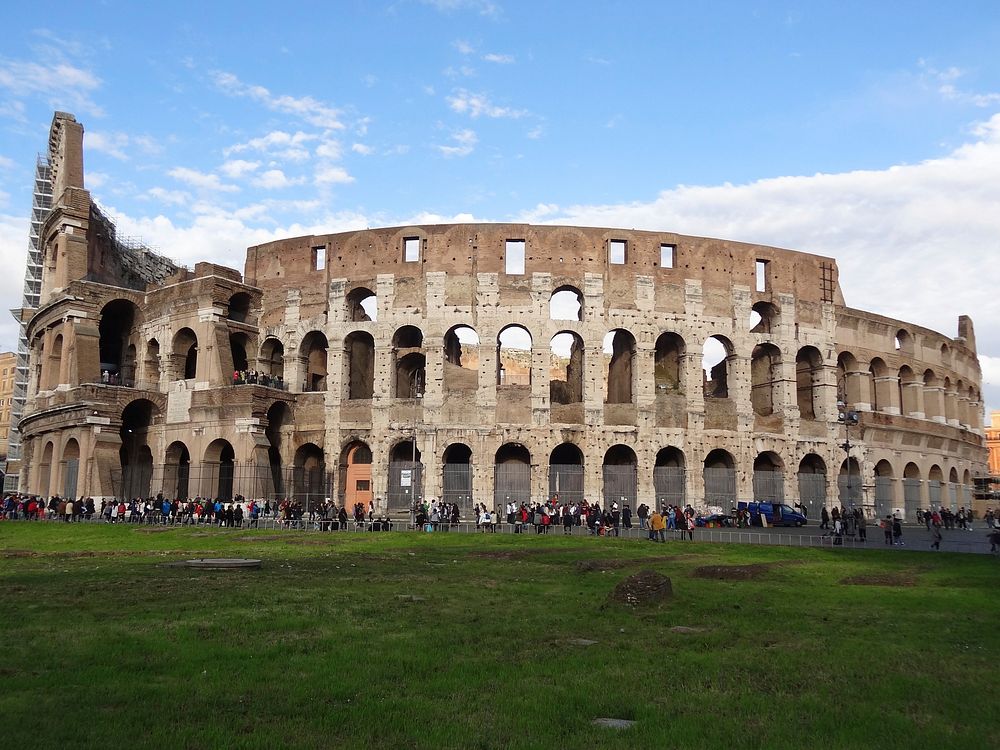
{"x": 764, "y": 318}
{"x": 511, "y": 476}
{"x": 514, "y": 356}
{"x": 410, "y": 362}
{"x": 359, "y": 361}
{"x": 461, "y": 359}
{"x": 808, "y": 379}
{"x": 620, "y": 477}
{"x": 768, "y": 478}
{"x": 314, "y": 351}
{"x": 720, "y": 479}
{"x": 239, "y": 307}
{"x": 566, "y": 473}
{"x": 566, "y": 303}
{"x": 668, "y": 364}
{"x": 362, "y": 305}
{"x": 717, "y": 355}
{"x": 812, "y": 484}
{"x": 765, "y": 373}
{"x": 185, "y": 354}
{"x": 619, "y": 350}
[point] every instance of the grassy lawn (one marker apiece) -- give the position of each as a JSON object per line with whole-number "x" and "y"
{"x": 464, "y": 641}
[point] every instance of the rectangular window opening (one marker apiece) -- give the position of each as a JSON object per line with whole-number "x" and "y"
{"x": 411, "y": 249}
{"x": 514, "y": 257}
{"x": 616, "y": 252}
{"x": 363, "y": 485}
{"x": 667, "y": 256}
{"x": 319, "y": 258}
{"x": 763, "y": 275}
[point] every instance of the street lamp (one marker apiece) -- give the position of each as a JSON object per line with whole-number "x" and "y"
{"x": 848, "y": 417}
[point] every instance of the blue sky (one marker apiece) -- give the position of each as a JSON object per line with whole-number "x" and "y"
{"x": 858, "y": 130}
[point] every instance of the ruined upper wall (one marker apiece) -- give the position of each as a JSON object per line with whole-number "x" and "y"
{"x": 65, "y": 153}
{"x": 569, "y": 254}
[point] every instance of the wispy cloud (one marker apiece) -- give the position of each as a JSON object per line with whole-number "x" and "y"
{"x": 329, "y": 174}
{"x": 361, "y": 148}
{"x": 482, "y": 7}
{"x": 945, "y": 82}
{"x": 275, "y": 179}
{"x": 493, "y": 57}
{"x": 63, "y": 85}
{"x": 307, "y": 108}
{"x": 463, "y": 47}
{"x": 236, "y": 168}
{"x": 201, "y": 180}
{"x": 464, "y": 144}
{"x": 279, "y": 144}
{"x": 476, "y": 105}
{"x": 112, "y": 144}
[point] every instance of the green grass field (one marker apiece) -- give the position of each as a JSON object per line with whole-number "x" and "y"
{"x": 464, "y": 641}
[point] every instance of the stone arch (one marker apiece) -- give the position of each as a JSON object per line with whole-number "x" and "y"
{"x": 945, "y": 354}
{"x": 768, "y": 478}
{"x": 238, "y": 344}
{"x": 849, "y": 380}
{"x": 314, "y": 350}
{"x": 812, "y": 484}
{"x": 359, "y": 363}
{"x": 135, "y": 456}
{"x": 514, "y": 356}
{"x": 885, "y": 488}
{"x": 566, "y": 387}
{"x": 405, "y": 475}
{"x": 764, "y": 318}
{"x": 44, "y": 477}
{"x": 219, "y": 470}
{"x": 151, "y": 363}
{"x": 933, "y": 397}
{"x": 309, "y": 478}
{"x": 70, "y": 463}
{"x": 54, "y": 366}
{"x": 765, "y": 378}
{"x": 719, "y": 473}
{"x": 668, "y": 363}
{"x": 566, "y": 467}
{"x": 935, "y": 480}
{"x": 409, "y": 362}
{"x": 355, "y": 476}
{"x": 456, "y": 476}
{"x": 619, "y": 381}
{"x": 566, "y": 303}
{"x": 910, "y": 388}
{"x": 185, "y": 354}
{"x": 881, "y": 389}
{"x": 119, "y": 318}
{"x": 272, "y": 358}
{"x": 620, "y": 471}
{"x": 278, "y": 432}
{"x": 461, "y": 358}
{"x": 809, "y": 382}
{"x": 718, "y": 355}
{"x": 669, "y": 476}
{"x": 177, "y": 470}
{"x": 849, "y": 483}
{"x": 903, "y": 342}
{"x": 362, "y": 305}
{"x": 511, "y": 475}
{"x": 239, "y": 307}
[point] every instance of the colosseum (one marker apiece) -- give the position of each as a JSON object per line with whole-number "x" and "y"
{"x": 481, "y": 363}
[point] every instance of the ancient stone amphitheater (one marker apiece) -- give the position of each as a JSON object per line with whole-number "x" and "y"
{"x": 483, "y": 363}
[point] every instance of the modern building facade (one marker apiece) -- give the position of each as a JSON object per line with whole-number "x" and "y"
{"x": 483, "y": 363}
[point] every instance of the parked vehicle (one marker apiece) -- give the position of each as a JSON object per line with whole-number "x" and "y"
{"x": 776, "y": 514}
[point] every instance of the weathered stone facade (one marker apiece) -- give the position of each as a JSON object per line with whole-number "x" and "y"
{"x": 450, "y": 333}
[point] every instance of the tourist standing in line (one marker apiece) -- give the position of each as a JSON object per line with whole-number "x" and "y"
{"x": 862, "y": 526}
{"x": 897, "y": 532}
{"x": 887, "y": 528}
{"x": 824, "y": 519}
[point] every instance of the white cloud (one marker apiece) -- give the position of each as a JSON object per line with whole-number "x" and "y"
{"x": 173, "y": 197}
{"x": 474, "y": 105}
{"x": 279, "y": 144}
{"x": 536, "y": 132}
{"x": 361, "y": 148}
{"x": 13, "y": 251}
{"x": 64, "y": 86}
{"x": 499, "y": 59}
{"x": 329, "y": 150}
{"x": 236, "y": 168}
{"x": 112, "y": 144}
{"x": 463, "y": 47}
{"x": 201, "y": 180}
{"x": 274, "y": 179}
{"x": 97, "y": 180}
{"x": 945, "y": 81}
{"x": 307, "y": 108}
{"x": 465, "y": 141}
{"x": 327, "y": 174}
{"x": 6, "y": 163}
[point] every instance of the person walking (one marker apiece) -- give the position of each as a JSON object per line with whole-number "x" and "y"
{"x": 657, "y": 527}
{"x": 824, "y": 519}
{"x": 936, "y": 537}
{"x": 897, "y": 532}
{"x": 887, "y": 528}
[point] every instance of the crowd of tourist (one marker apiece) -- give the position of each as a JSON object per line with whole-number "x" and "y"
{"x": 253, "y": 377}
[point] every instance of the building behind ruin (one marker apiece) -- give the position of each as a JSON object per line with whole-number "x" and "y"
{"x": 481, "y": 363}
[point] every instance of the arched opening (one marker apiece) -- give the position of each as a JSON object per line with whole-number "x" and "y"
{"x": 44, "y": 476}
{"x": 566, "y": 377}
{"x": 461, "y": 359}
{"x": 410, "y": 362}
{"x": 765, "y": 377}
{"x": 880, "y": 387}
{"x": 406, "y": 474}
{"x": 967, "y": 488}
{"x": 219, "y": 471}
{"x": 185, "y": 354}
{"x": 514, "y": 356}
{"x": 911, "y": 491}
{"x": 272, "y": 360}
{"x": 849, "y": 483}
{"x": 355, "y": 486}
{"x": 764, "y": 318}
{"x": 176, "y": 470}
{"x": 768, "y": 478}
{"x": 456, "y": 476}
{"x": 885, "y": 484}
{"x": 808, "y": 381}
{"x": 620, "y": 476}
{"x": 278, "y": 433}
{"x": 935, "y": 478}
{"x": 359, "y": 361}
{"x": 309, "y": 479}
{"x": 362, "y": 305}
{"x": 668, "y": 364}
{"x": 903, "y": 342}
{"x": 238, "y": 347}
{"x": 933, "y": 397}
{"x": 566, "y": 473}
{"x": 239, "y": 307}
{"x": 314, "y": 352}
{"x": 946, "y": 355}
{"x": 953, "y": 499}
{"x": 849, "y": 380}
{"x": 55, "y": 363}
{"x": 910, "y": 392}
{"x": 151, "y": 364}
{"x": 812, "y": 484}
{"x": 669, "y": 477}
{"x": 717, "y": 356}
{"x": 619, "y": 352}
{"x": 71, "y": 467}
{"x": 720, "y": 479}
{"x": 511, "y": 476}
{"x": 949, "y": 402}
{"x": 118, "y": 319}
{"x": 135, "y": 457}
{"x": 566, "y": 303}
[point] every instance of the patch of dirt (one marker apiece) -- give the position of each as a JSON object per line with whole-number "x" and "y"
{"x": 273, "y": 538}
{"x": 882, "y": 579}
{"x": 591, "y": 566}
{"x": 739, "y": 572}
{"x": 501, "y": 554}
{"x": 306, "y": 541}
{"x": 154, "y": 529}
{"x": 643, "y": 589}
